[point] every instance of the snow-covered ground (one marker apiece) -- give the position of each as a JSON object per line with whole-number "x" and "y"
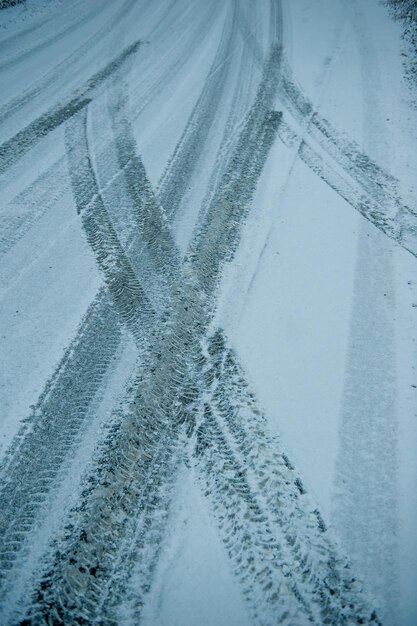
{"x": 208, "y": 314}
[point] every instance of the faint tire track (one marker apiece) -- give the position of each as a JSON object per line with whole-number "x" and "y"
{"x": 31, "y": 204}
{"x": 152, "y": 80}
{"x": 175, "y": 182}
{"x": 8, "y": 62}
{"x": 9, "y": 109}
{"x": 365, "y": 512}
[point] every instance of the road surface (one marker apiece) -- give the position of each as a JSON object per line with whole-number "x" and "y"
{"x": 208, "y": 288}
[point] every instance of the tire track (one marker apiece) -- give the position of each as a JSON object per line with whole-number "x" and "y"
{"x": 248, "y": 35}
{"x": 19, "y": 222}
{"x": 344, "y": 151}
{"x": 13, "y": 149}
{"x": 213, "y": 246}
{"x": 140, "y": 551}
{"x": 57, "y": 418}
{"x": 365, "y": 512}
{"x": 82, "y": 572}
{"x": 225, "y": 484}
{"x": 357, "y": 178}
{"x": 127, "y": 294}
{"x": 142, "y": 577}
{"x": 105, "y": 505}
{"x": 104, "y": 319}
{"x": 242, "y": 98}
{"x": 137, "y": 188}
{"x": 366, "y": 186}
{"x": 300, "y": 572}
{"x": 151, "y": 82}
{"x": 154, "y": 448}
{"x": 174, "y": 183}
{"x": 150, "y": 249}
{"x": 163, "y": 399}
{"x": 64, "y": 408}
{"x": 364, "y": 509}
{"x": 9, "y": 43}
{"x": 238, "y": 111}
{"x": 398, "y": 222}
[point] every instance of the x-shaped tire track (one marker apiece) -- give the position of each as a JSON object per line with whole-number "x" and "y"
{"x": 225, "y": 387}
{"x": 144, "y": 294}
{"x": 275, "y": 538}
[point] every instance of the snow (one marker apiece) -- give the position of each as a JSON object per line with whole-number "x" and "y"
{"x": 318, "y": 303}
{"x": 193, "y": 584}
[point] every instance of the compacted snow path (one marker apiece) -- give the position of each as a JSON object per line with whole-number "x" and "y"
{"x": 208, "y": 314}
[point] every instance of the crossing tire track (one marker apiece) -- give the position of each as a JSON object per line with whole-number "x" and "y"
{"x": 163, "y": 399}
{"x": 160, "y": 402}
{"x": 126, "y": 292}
{"x": 85, "y": 354}
{"x": 182, "y": 330}
{"x": 139, "y": 553}
{"x": 244, "y": 529}
{"x": 141, "y": 222}
{"x": 121, "y": 516}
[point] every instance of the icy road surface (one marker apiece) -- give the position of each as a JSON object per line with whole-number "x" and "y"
{"x": 208, "y": 309}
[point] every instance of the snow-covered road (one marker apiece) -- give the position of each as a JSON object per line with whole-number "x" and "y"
{"x": 208, "y": 314}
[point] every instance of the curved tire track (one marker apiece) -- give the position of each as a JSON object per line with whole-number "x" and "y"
{"x": 354, "y": 175}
